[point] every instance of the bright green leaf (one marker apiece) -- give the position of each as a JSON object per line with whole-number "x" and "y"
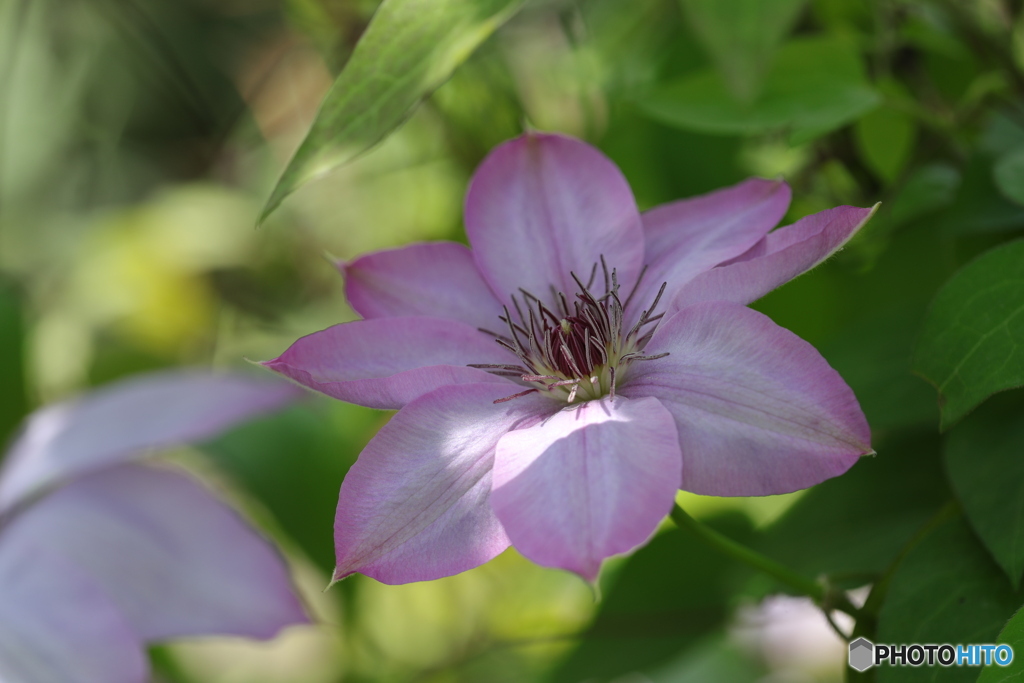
{"x": 741, "y": 36}
{"x": 946, "y": 590}
{"x": 973, "y": 340}
{"x": 983, "y": 457}
{"x": 814, "y": 86}
{"x": 1013, "y": 635}
{"x": 408, "y": 50}
{"x": 1009, "y": 175}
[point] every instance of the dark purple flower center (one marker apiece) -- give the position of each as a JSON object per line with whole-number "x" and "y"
{"x": 578, "y": 349}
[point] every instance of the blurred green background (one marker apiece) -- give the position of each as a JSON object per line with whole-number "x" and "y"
{"x": 140, "y": 138}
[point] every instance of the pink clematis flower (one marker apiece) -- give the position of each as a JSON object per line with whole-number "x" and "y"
{"x": 99, "y": 556}
{"x": 560, "y": 381}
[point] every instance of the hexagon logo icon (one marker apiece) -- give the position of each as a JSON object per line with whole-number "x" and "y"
{"x": 862, "y": 654}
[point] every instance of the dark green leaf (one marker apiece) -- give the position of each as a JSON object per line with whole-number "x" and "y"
{"x": 857, "y": 523}
{"x": 973, "y": 340}
{"x": 979, "y": 206}
{"x": 873, "y": 356}
{"x": 408, "y": 50}
{"x": 669, "y": 595}
{"x": 946, "y": 590}
{"x": 983, "y": 457}
{"x": 1013, "y": 635}
{"x": 13, "y": 402}
{"x": 814, "y": 86}
{"x": 1009, "y": 175}
{"x": 742, "y": 36}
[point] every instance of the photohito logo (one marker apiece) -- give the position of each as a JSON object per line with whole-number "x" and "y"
{"x": 864, "y": 654}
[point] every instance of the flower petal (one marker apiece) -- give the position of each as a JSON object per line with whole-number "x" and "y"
{"x": 542, "y": 205}
{"x": 439, "y": 280}
{"x": 172, "y": 558}
{"x": 759, "y": 410}
{"x": 778, "y": 258}
{"x": 415, "y": 507}
{"x": 120, "y": 421}
{"x": 685, "y": 238}
{"x": 57, "y": 624}
{"x": 387, "y": 362}
{"x": 587, "y": 483}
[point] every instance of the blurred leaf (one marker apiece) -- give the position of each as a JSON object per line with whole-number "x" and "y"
{"x": 657, "y": 159}
{"x": 13, "y": 402}
{"x": 856, "y": 523}
{"x": 973, "y": 340}
{"x": 979, "y": 206}
{"x": 885, "y": 138}
{"x": 929, "y": 188}
{"x": 814, "y": 86}
{"x": 408, "y": 50}
{"x": 293, "y": 462}
{"x": 1009, "y": 175}
{"x": 742, "y": 36}
{"x": 983, "y": 457}
{"x": 1013, "y": 635}
{"x": 873, "y": 356}
{"x": 715, "y": 660}
{"x": 946, "y": 590}
{"x": 632, "y": 44}
{"x": 668, "y": 595}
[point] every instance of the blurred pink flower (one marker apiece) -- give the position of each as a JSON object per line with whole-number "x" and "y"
{"x": 626, "y": 366}
{"x": 99, "y": 557}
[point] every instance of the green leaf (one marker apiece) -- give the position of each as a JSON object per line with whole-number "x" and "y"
{"x": 885, "y": 138}
{"x": 873, "y": 356}
{"x": 408, "y": 50}
{"x": 983, "y": 458}
{"x": 293, "y": 462}
{"x": 979, "y": 206}
{"x": 857, "y": 523}
{"x": 1013, "y": 635}
{"x": 1009, "y": 175}
{"x": 741, "y": 36}
{"x": 13, "y": 402}
{"x": 946, "y": 590}
{"x": 972, "y": 344}
{"x": 814, "y": 86}
{"x": 669, "y": 595}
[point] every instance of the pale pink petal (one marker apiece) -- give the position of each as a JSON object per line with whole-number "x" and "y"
{"x": 439, "y": 280}
{"x": 173, "y": 559}
{"x": 759, "y": 410}
{"x": 415, "y": 506}
{"x": 58, "y": 626}
{"x": 589, "y": 482}
{"x": 685, "y": 238}
{"x": 387, "y": 362}
{"x": 121, "y": 421}
{"x": 541, "y": 206}
{"x": 778, "y": 258}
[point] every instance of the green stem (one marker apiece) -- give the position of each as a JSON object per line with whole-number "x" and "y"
{"x": 826, "y": 597}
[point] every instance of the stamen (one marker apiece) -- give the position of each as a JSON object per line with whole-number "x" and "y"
{"x": 578, "y": 351}
{"x": 636, "y": 286}
{"x": 515, "y": 396}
